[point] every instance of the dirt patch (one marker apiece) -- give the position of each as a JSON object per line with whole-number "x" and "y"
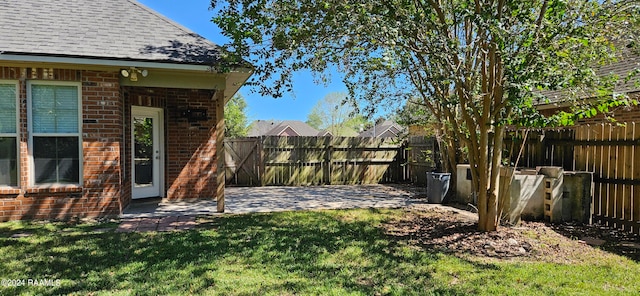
{"x": 453, "y": 231}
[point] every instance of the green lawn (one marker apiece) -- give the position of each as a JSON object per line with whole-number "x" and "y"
{"x": 295, "y": 253}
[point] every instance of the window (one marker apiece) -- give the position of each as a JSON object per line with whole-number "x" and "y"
{"x": 8, "y": 134}
{"x": 55, "y": 132}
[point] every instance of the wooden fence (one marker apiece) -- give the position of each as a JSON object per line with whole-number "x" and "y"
{"x": 422, "y": 156}
{"x": 296, "y": 161}
{"x": 610, "y": 152}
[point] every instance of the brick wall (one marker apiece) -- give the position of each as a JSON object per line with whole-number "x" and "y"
{"x": 100, "y": 192}
{"x": 191, "y": 146}
{"x": 190, "y": 154}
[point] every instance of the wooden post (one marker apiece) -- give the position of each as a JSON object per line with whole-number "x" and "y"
{"x": 261, "y": 163}
{"x": 635, "y": 169}
{"x": 540, "y": 148}
{"x": 328, "y": 161}
{"x": 220, "y": 150}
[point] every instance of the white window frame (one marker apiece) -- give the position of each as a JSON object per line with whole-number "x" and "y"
{"x": 32, "y": 168}
{"x": 17, "y": 133}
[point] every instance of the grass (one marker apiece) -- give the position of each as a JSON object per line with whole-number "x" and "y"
{"x": 293, "y": 253}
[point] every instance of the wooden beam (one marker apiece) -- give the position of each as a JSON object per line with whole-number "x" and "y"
{"x": 560, "y": 142}
{"x": 597, "y": 179}
{"x": 220, "y": 151}
{"x": 610, "y": 221}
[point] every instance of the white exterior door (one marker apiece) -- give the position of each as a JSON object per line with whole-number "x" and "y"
{"x": 146, "y": 150}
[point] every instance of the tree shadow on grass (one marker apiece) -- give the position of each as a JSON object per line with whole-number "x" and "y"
{"x": 296, "y": 253}
{"x": 615, "y": 241}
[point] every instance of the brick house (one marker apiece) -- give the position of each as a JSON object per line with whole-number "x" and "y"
{"x": 284, "y": 128}
{"x": 102, "y": 102}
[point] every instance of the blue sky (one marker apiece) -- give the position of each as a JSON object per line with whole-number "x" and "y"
{"x": 195, "y": 15}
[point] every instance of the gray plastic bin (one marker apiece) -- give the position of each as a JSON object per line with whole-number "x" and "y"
{"x": 437, "y": 186}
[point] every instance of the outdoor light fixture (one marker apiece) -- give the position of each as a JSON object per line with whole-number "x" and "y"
{"x": 193, "y": 115}
{"x": 132, "y": 73}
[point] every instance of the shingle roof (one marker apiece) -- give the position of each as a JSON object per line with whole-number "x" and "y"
{"x": 110, "y": 29}
{"x": 301, "y": 128}
{"x": 275, "y": 128}
{"x": 261, "y": 127}
{"x": 386, "y": 129}
{"x": 627, "y": 63}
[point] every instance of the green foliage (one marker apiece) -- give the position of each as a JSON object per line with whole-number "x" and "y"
{"x": 413, "y": 113}
{"x": 334, "y": 114}
{"x": 459, "y": 55}
{"x": 358, "y": 122}
{"x": 314, "y": 120}
{"x": 143, "y": 130}
{"x": 235, "y": 117}
{"x": 604, "y": 106}
{"x": 475, "y": 65}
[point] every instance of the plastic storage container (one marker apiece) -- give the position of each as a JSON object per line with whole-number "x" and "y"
{"x": 437, "y": 186}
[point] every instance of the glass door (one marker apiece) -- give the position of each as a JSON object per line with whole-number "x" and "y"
{"x": 146, "y": 128}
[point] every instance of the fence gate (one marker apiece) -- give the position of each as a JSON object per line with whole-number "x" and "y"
{"x": 242, "y": 161}
{"x": 422, "y": 156}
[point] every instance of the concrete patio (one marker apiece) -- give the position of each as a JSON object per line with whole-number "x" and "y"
{"x": 242, "y": 200}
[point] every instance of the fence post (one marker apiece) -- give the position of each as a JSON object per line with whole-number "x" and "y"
{"x": 328, "y": 161}
{"x": 261, "y": 163}
{"x": 400, "y": 161}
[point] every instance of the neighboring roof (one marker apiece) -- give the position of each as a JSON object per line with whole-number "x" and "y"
{"x": 276, "y": 128}
{"x": 261, "y": 127}
{"x": 325, "y": 133}
{"x": 108, "y": 29}
{"x": 386, "y": 129}
{"x": 628, "y": 63}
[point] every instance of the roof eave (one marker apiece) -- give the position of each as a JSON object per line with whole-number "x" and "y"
{"x": 235, "y": 78}
{"x": 563, "y": 102}
{"x": 101, "y": 61}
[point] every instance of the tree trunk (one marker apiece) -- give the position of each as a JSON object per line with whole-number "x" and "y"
{"x": 491, "y": 221}
{"x": 481, "y": 166}
{"x": 489, "y": 178}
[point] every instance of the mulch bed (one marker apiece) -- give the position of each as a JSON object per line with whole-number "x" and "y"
{"x": 450, "y": 231}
